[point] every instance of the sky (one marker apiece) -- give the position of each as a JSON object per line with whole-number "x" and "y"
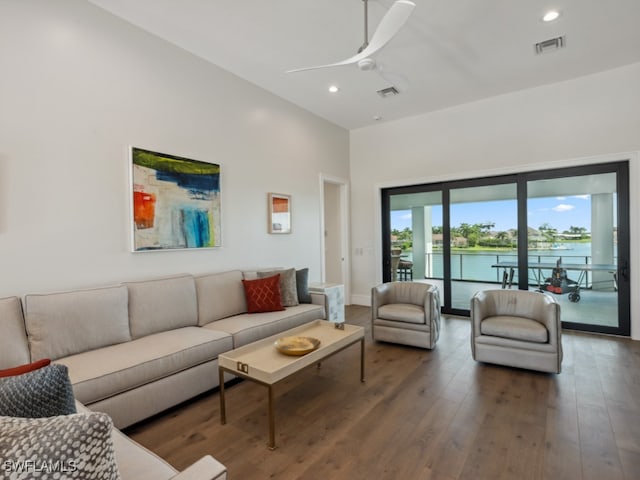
{"x": 559, "y": 212}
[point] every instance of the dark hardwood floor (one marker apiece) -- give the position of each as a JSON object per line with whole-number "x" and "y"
{"x": 423, "y": 415}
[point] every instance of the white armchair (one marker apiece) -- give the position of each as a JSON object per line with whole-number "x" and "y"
{"x": 407, "y": 313}
{"x": 517, "y": 328}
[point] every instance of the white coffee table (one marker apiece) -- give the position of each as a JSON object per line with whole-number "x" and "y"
{"x": 263, "y": 364}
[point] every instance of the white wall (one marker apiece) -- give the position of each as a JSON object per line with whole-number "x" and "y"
{"x": 78, "y": 87}
{"x": 585, "y": 120}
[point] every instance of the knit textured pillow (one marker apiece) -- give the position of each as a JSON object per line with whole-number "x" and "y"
{"x": 288, "y": 287}
{"x": 263, "y": 294}
{"x": 75, "y": 446}
{"x": 42, "y": 393}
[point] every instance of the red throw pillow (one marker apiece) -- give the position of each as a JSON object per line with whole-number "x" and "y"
{"x": 263, "y": 294}
{"x": 29, "y": 367}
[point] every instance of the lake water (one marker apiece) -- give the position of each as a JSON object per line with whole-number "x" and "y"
{"x": 477, "y": 265}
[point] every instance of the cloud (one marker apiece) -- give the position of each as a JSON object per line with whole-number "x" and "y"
{"x": 582, "y": 197}
{"x": 406, "y": 216}
{"x": 563, "y": 207}
{"x": 561, "y": 198}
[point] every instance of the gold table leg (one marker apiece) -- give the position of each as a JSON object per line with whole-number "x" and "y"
{"x": 272, "y": 422}
{"x": 362, "y": 359}
{"x": 223, "y": 410}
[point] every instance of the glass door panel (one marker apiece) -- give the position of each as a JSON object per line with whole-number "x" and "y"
{"x": 415, "y": 251}
{"x": 483, "y": 235}
{"x": 573, "y": 246}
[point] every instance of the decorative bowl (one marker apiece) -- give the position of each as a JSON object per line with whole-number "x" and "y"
{"x": 297, "y": 345}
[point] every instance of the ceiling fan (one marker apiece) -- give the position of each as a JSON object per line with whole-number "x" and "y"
{"x": 388, "y": 28}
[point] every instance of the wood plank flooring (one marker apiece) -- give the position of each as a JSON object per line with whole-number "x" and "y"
{"x": 423, "y": 415}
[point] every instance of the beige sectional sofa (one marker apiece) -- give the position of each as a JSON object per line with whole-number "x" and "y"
{"x": 138, "y": 348}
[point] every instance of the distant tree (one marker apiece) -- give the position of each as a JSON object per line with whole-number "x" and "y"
{"x": 473, "y": 239}
{"x": 576, "y": 231}
{"x": 466, "y": 230}
{"x": 485, "y": 227}
{"x": 502, "y": 236}
{"x": 402, "y": 238}
{"x": 548, "y": 231}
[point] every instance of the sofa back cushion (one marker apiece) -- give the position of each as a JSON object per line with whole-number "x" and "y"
{"x": 162, "y": 304}
{"x": 220, "y": 295}
{"x": 14, "y": 348}
{"x": 63, "y": 324}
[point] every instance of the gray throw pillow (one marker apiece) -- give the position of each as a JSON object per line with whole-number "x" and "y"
{"x": 75, "y": 446}
{"x": 288, "y": 288}
{"x": 45, "y": 392}
{"x": 302, "y": 285}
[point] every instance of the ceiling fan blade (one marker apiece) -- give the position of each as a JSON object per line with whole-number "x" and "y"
{"x": 388, "y": 28}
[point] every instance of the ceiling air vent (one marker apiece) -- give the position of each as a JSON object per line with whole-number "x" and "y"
{"x": 388, "y": 92}
{"x": 550, "y": 45}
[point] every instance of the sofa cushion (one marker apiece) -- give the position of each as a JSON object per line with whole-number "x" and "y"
{"x": 402, "y": 312}
{"x": 162, "y": 304}
{"x": 247, "y": 328}
{"x": 26, "y": 368}
{"x": 220, "y": 295}
{"x": 14, "y": 347}
{"x": 288, "y": 286}
{"x": 105, "y": 372}
{"x": 62, "y": 324}
{"x": 42, "y": 393}
{"x": 263, "y": 294}
{"x": 302, "y": 285}
{"x": 71, "y": 446}
{"x": 516, "y": 328}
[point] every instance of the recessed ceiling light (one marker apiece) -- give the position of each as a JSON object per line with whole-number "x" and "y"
{"x": 550, "y": 16}
{"x": 334, "y": 89}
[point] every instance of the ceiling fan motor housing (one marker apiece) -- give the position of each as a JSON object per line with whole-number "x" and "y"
{"x": 367, "y": 64}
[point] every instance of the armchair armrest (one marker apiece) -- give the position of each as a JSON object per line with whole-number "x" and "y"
{"x": 320, "y": 299}
{"x": 479, "y": 311}
{"x": 550, "y": 318}
{"x": 379, "y": 297}
{"x": 207, "y": 468}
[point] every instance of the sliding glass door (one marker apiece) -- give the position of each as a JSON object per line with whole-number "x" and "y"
{"x": 414, "y": 244}
{"x": 575, "y": 250}
{"x": 483, "y": 226}
{"x": 561, "y": 232}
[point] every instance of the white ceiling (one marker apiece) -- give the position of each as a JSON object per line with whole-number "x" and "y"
{"x": 450, "y": 51}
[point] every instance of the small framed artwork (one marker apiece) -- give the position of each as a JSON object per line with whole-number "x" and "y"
{"x": 279, "y": 213}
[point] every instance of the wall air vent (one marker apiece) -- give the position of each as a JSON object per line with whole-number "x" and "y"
{"x": 551, "y": 45}
{"x": 388, "y": 92}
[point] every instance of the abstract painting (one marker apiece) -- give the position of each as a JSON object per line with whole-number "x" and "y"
{"x": 176, "y": 202}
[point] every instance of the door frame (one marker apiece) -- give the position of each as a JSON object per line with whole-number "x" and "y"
{"x": 343, "y": 185}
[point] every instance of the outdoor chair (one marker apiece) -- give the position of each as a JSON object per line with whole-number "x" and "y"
{"x": 407, "y": 313}
{"x": 517, "y": 328}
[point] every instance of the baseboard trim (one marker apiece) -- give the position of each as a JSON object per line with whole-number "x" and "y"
{"x": 364, "y": 300}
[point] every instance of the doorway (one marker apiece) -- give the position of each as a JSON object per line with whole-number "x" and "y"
{"x": 334, "y": 228}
